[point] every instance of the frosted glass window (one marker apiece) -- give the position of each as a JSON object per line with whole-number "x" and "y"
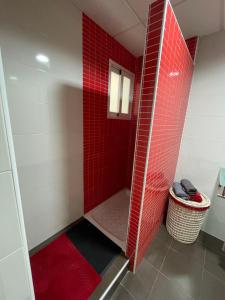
{"x": 121, "y": 84}
{"x": 114, "y": 92}
{"x": 125, "y": 95}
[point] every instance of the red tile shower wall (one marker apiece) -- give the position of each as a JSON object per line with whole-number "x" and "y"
{"x": 174, "y": 82}
{"x": 106, "y": 141}
{"x": 133, "y": 121}
{"x": 165, "y": 131}
{"x": 144, "y": 120}
{"x": 192, "y": 46}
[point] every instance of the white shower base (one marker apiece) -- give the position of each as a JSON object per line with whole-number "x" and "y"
{"x": 111, "y": 217}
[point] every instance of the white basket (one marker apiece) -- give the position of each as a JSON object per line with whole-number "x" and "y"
{"x": 185, "y": 218}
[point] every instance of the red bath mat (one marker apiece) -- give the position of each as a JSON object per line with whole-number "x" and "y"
{"x": 61, "y": 273}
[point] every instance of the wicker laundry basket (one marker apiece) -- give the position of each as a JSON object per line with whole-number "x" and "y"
{"x": 185, "y": 218}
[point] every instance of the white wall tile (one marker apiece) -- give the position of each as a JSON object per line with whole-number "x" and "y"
{"x": 4, "y": 154}
{"x": 41, "y": 35}
{"x": 46, "y": 110}
{"x": 40, "y": 149}
{"x": 202, "y": 151}
{"x": 9, "y": 229}
{"x": 195, "y": 127}
{"x": 12, "y": 229}
{"x": 54, "y": 190}
{"x": 13, "y": 278}
{"x": 215, "y": 221}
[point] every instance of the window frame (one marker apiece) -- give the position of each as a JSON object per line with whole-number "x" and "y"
{"x": 123, "y": 72}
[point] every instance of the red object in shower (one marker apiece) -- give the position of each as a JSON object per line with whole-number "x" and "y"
{"x": 61, "y": 273}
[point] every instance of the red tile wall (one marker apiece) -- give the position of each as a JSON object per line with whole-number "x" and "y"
{"x": 133, "y": 121}
{"x": 144, "y": 120}
{"x": 106, "y": 141}
{"x": 192, "y": 44}
{"x": 160, "y": 123}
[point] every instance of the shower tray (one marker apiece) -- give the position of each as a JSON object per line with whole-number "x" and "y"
{"x": 111, "y": 217}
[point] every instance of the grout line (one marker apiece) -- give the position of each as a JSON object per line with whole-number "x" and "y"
{"x": 152, "y": 265}
{"x": 217, "y": 278}
{"x": 135, "y": 150}
{"x": 168, "y": 249}
{"x": 162, "y": 33}
{"x": 178, "y": 284}
{"x": 126, "y": 289}
{"x": 11, "y": 253}
{"x": 134, "y": 12}
{"x": 159, "y": 271}
{"x": 204, "y": 259}
{"x": 152, "y": 288}
{"x": 16, "y": 186}
{"x": 206, "y": 270}
{"x": 46, "y": 242}
{"x": 6, "y": 172}
{"x": 202, "y": 274}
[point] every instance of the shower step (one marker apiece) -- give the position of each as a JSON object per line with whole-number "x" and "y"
{"x": 111, "y": 278}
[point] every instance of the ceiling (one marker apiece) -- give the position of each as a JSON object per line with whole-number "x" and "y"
{"x": 125, "y": 20}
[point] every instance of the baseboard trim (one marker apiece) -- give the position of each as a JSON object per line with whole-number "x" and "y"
{"x": 53, "y": 237}
{"x": 211, "y": 242}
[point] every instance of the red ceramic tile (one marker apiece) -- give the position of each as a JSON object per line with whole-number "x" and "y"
{"x": 108, "y": 144}
{"x": 163, "y": 133}
{"x": 144, "y": 120}
{"x": 192, "y": 44}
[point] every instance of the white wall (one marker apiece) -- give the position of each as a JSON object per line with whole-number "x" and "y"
{"x": 15, "y": 273}
{"x": 202, "y": 151}
{"x": 45, "y": 102}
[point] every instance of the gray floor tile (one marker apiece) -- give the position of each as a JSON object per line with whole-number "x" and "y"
{"x": 107, "y": 278}
{"x": 140, "y": 283}
{"x": 183, "y": 271}
{"x": 211, "y": 243}
{"x": 192, "y": 251}
{"x": 215, "y": 264}
{"x": 120, "y": 261}
{"x": 121, "y": 294}
{"x": 165, "y": 289}
{"x": 157, "y": 252}
{"x": 163, "y": 235}
{"x": 212, "y": 288}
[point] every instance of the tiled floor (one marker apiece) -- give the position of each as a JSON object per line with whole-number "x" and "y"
{"x": 174, "y": 271}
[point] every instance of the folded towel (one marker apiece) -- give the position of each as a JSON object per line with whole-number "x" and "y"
{"x": 197, "y": 197}
{"x": 179, "y": 192}
{"x": 188, "y": 187}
